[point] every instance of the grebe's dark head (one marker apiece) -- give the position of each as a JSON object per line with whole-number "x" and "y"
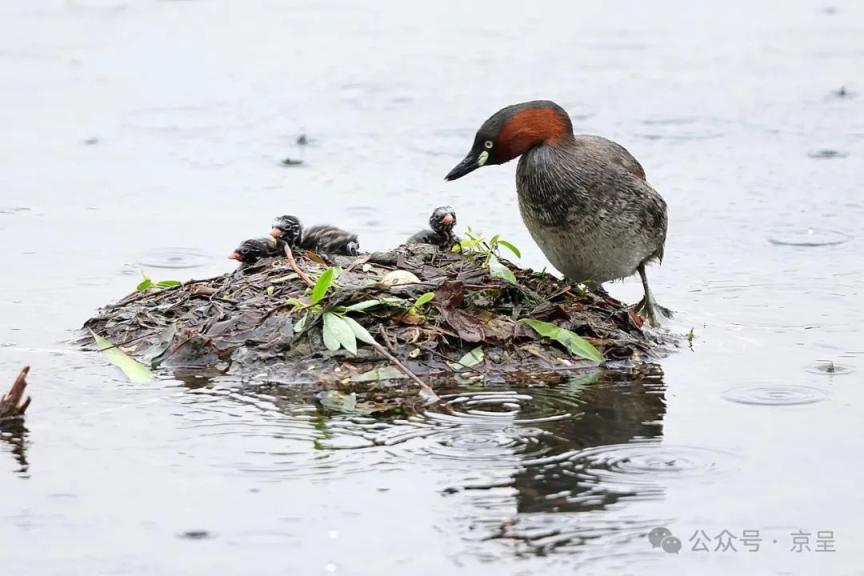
{"x": 443, "y": 219}
{"x": 512, "y": 131}
{"x": 288, "y": 229}
{"x": 251, "y": 250}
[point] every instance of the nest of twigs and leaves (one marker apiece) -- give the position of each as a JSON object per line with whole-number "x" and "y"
{"x": 414, "y": 316}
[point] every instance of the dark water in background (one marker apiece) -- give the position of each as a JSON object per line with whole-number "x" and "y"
{"x": 148, "y": 135}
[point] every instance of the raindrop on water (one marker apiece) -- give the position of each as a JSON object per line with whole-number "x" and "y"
{"x": 174, "y": 258}
{"x": 830, "y": 368}
{"x": 809, "y": 237}
{"x": 775, "y": 395}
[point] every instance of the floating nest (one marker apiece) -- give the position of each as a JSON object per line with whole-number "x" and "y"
{"x": 256, "y": 322}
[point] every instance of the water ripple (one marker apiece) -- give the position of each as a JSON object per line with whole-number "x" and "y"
{"x": 519, "y": 439}
{"x": 830, "y": 368}
{"x": 174, "y": 258}
{"x": 601, "y": 475}
{"x": 498, "y": 427}
{"x": 775, "y": 395}
{"x": 810, "y": 237}
{"x": 278, "y": 436}
{"x": 643, "y": 463}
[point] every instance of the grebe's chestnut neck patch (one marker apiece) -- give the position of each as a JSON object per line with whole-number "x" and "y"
{"x": 514, "y": 130}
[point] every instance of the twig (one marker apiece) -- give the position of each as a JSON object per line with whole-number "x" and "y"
{"x": 559, "y": 293}
{"x": 386, "y": 338}
{"x": 274, "y": 310}
{"x": 293, "y": 263}
{"x": 130, "y": 340}
{"x": 424, "y": 388}
{"x": 358, "y": 261}
{"x": 16, "y": 401}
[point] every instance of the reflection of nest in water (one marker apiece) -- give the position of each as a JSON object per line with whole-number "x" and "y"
{"x": 241, "y": 323}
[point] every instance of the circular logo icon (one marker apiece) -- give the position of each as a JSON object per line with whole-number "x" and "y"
{"x": 671, "y": 544}
{"x": 657, "y": 535}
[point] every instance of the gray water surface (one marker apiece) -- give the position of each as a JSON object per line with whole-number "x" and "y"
{"x": 149, "y": 136}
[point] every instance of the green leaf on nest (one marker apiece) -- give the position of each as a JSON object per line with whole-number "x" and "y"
{"x": 136, "y": 372}
{"x": 322, "y": 285}
{"x": 499, "y": 270}
{"x": 382, "y": 373}
{"x": 510, "y": 247}
{"x": 147, "y": 283}
{"x": 329, "y": 337}
{"x": 337, "y": 329}
{"x": 467, "y": 244}
{"x": 364, "y": 305}
{"x": 424, "y": 299}
{"x": 359, "y": 331}
{"x": 298, "y": 327}
{"x": 575, "y": 344}
{"x": 469, "y": 360}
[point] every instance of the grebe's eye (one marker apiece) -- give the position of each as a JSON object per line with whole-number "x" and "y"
{"x": 488, "y": 144}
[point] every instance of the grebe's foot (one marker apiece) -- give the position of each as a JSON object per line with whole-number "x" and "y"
{"x": 648, "y": 309}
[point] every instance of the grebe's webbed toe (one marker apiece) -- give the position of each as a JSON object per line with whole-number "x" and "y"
{"x": 648, "y": 308}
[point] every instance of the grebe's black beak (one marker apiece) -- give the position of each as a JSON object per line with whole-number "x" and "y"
{"x": 471, "y": 162}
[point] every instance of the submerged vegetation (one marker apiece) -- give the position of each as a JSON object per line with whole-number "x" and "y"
{"x": 367, "y": 324}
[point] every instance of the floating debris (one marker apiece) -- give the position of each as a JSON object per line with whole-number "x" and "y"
{"x": 195, "y": 535}
{"x": 827, "y": 154}
{"x": 15, "y": 402}
{"x": 829, "y": 368}
{"x": 14, "y": 210}
{"x": 842, "y": 92}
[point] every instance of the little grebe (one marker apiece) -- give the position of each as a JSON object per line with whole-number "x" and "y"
{"x": 584, "y": 199}
{"x": 440, "y": 232}
{"x": 252, "y": 250}
{"x": 324, "y": 239}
